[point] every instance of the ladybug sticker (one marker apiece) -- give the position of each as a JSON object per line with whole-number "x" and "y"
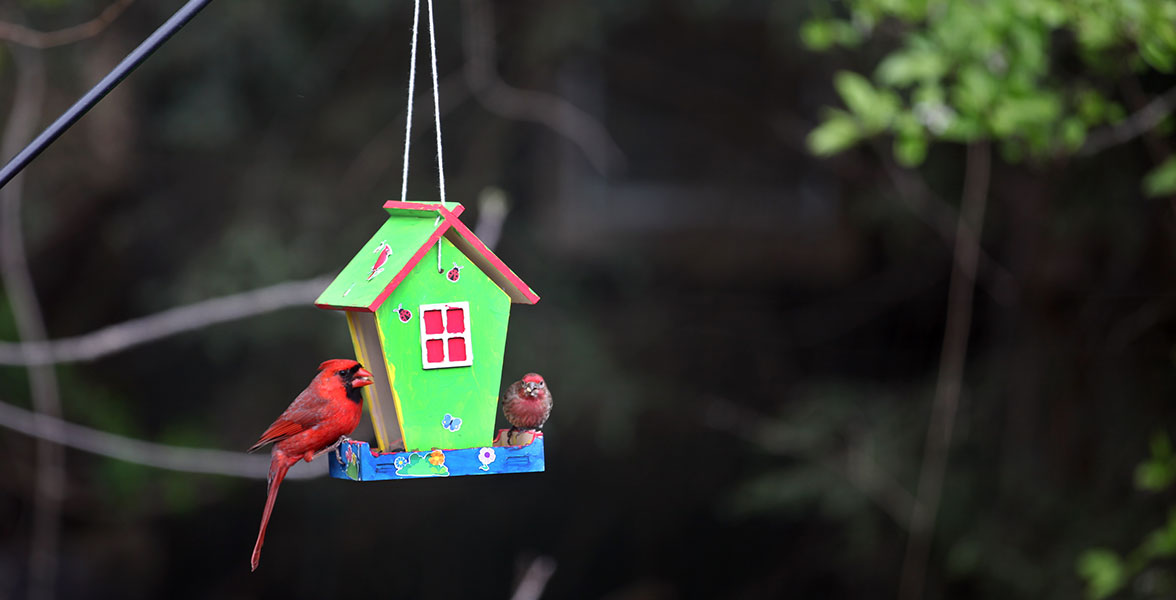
{"x": 404, "y": 313}
{"x": 455, "y": 273}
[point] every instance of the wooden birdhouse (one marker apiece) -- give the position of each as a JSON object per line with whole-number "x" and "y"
{"x": 428, "y": 304}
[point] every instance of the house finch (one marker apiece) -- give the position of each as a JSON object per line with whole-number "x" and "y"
{"x": 527, "y": 403}
{"x": 328, "y": 409}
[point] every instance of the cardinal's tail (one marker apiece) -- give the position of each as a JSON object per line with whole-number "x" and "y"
{"x": 277, "y": 473}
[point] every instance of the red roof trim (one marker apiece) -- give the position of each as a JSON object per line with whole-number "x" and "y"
{"x": 420, "y": 206}
{"x": 348, "y": 308}
{"x": 411, "y": 264}
{"x": 480, "y": 247}
{"x": 450, "y": 221}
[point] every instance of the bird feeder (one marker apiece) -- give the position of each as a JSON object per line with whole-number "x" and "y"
{"x": 427, "y": 304}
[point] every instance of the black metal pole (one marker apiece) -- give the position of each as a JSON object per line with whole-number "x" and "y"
{"x": 112, "y": 79}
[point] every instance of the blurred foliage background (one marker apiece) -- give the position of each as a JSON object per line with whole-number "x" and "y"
{"x": 743, "y": 219}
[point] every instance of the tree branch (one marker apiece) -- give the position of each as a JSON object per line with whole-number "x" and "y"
{"x": 1139, "y": 123}
{"x": 493, "y": 207}
{"x": 21, "y": 35}
{"x": 49, "y": 490}
{"x": 509, "y": 102}
{"x": 140, "y": 452}
{"x": 940, "y": 216}
{"x": 535, "y": 578}
{"x": 951, "y": 371}
{"x": 128, "y": 334}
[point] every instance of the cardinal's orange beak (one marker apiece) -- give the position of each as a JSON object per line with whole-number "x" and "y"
{"x": 362, "y": 377}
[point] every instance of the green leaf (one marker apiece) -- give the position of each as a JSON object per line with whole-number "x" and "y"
{"x": 838, "y": 132}
{"x": 822, "y": 34}
{"x": 1052, "y": 12}
{"x": 910, "y": 151}
{"x": 1115, "y": 112}
{"x": 975, "y": 90}
{"x": 874, "y": 108}
{"x": 1158, "y": 55}
{"x": 1161, "y": 543}
{"x": 818, "y": 34}
{"x": 964, "y": 130}
{"x": 1020, "y": 115}
{"x": 1092, "y": 106}
{"x": 856, "y": 90}
{"x": 1103, "y": 572}
{"x": 911, "y": 66}
{"x": 1161, "y": 181}
{"x": 1073, "y": 133}
{"x": 1160, "y": 445}
{"x": 846, "y": 34}
{"x": 1154, "y": 475}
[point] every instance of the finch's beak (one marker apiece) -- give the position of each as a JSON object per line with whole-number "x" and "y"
{"x": 362, "y": 378}
{"x": 530, "y": 387}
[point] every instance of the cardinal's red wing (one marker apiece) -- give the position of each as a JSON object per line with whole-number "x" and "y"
{"x": 302, "y": 414}
{"x": 280, "y": 430}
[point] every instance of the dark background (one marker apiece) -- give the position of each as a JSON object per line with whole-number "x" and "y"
{"x": 740, "y": 337}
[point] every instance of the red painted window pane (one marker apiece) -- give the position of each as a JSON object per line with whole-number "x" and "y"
{"x": 434, "y": 351}
{"x": 455, "y": 320}
{"x": 457, "y": 349}
{"x": 433, "y": 322}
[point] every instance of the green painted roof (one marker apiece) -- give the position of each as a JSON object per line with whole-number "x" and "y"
{"x": 355, "y": 287}
{"x": 410, "y": 232}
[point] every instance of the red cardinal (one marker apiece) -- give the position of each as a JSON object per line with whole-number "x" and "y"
{"x": 527, "y": 403}
{"x": 328, "y": 409}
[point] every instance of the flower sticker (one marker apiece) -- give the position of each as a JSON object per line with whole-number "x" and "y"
{"x": 486, "y": 456}
{"x": 450, "y": 422}
{"x": 422, "y": 465}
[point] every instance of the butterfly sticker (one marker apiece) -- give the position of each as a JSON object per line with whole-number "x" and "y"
{"x": 450, "y": 422}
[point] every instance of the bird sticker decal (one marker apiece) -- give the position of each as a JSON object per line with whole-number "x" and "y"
{"x": 384, "y": 251}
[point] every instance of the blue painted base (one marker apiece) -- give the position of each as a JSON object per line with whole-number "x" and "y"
{"x": 355, "y": 461}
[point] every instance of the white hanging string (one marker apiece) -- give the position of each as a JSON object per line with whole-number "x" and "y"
{"x": 416, "y": 17}
{"x": 436, "y": 102}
